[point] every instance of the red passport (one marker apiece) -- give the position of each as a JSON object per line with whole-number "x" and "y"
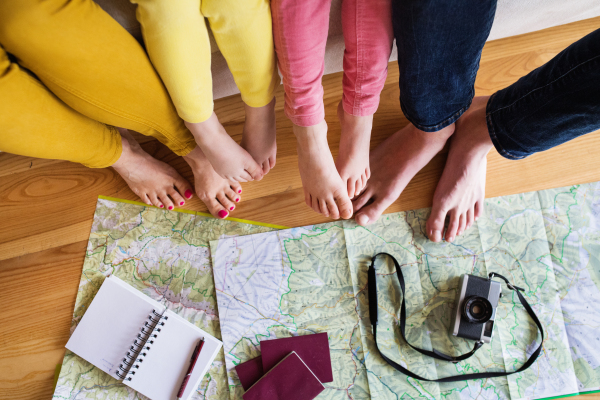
{"x": 290, "y": 379}
{"x": 312, "y": 349}
{"x": 249, "y": 372}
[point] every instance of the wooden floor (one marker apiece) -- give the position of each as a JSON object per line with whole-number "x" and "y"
{"x": 46, "y": 207}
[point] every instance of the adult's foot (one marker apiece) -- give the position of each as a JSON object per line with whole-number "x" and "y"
{"x": 219, "y": 195}
{"x": 324, "y": 190}
{"x": 259, "y": 135}
{"x": 155, "y": 182}
{"x": 460, "y": 192}
{"x": 353, "y": 158}
{"x": 228, "y": 158}
{"x": 393, "y": 164}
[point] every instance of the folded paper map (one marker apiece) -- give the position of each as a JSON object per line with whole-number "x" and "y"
{"x": 313, "y": 279}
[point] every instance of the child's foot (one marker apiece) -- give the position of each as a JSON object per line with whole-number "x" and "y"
{"x": 228, "y": 159}
{"x": 219, "y": 195}
{"x": 393, "y": 164}
{"x": 324, "y": 190}
{"x": 155, "y": 182}
{"x": 353, "y": 159}
{"x": 259, "y": 135}
{"x": 460, "y": 192}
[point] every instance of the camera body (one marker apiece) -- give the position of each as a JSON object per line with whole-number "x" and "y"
{"x": 476, "y": 303}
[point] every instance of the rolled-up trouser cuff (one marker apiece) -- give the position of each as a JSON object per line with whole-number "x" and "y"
{"x": 499, "y": 137}
{"x": 305, "y": 120}
{"x": 438, "y": 126}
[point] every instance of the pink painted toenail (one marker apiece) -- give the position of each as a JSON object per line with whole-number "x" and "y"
{"x": 170, "y": 207}
{"x": 237, "y": 200}
{"x": 240, "y": 191}
{"x": 188, "y": 194}
{"x": 161, "y": 206}
{"x": 223, "y": 214}
{"x": 182, "y": 203}
{"x": 231, "y": 208}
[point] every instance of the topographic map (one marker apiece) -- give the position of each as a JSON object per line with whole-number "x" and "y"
{"x": 165, "y": 255}
{"x": 313, "y": 279}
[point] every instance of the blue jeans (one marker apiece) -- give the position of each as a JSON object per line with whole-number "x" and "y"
{"x": 439, "y": 48}
{"x": 553, "y": 104}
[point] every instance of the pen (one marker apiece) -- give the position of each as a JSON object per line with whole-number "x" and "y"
{"x": 195, "y": 355}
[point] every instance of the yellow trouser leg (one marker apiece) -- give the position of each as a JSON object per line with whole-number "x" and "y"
{"x": 91, "y": 63}
{"x": 35, "y": 123}
{"x": 176, "y": 37}
{"x": 243, "y": 30}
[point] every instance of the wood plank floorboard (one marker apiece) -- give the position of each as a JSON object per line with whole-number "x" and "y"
{"x": 46, "y": 206}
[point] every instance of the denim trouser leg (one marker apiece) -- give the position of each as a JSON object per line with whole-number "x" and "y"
{"x": 553, "y": 104}
{"x": 439, "y": 47}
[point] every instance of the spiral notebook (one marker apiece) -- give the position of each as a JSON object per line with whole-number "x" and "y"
{"x": 135, "y": 339}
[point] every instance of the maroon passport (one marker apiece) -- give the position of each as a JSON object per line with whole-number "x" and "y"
{"x": 249, "y": 372}
{"x": 290, "y": 379}
{"x": 312, "y": 349}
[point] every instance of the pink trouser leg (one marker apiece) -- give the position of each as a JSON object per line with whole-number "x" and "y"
{"x": 368, "y": 35}
{"x": 300, "y": 32}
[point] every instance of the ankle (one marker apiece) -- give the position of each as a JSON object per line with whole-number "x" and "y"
{"x": 206, "y": 131}
{"x": 308, "y": 135}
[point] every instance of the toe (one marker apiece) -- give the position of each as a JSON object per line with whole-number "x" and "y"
{"x": 166, "y": 201}
{"x": 344, "y": 205}
{"x": 362, "y": 199}
{"x": 215, "y": 208}
{"x": 232, "y": 195}
{"x": 146, "y": 199}
{"x": 470, "y": 217}
{"x": 183, "y": 188}
{"x": 177, "y": 199}
{"x": 266, "y": 167}
{"x": 435, "y": 223}
{"x": 315, "y": 204}
{"x": 333, "y": 210}
{"x": 323, "y": 207}
{"x": 462, "y": 224}
{"x": 243, "y": 177}
{"x": 236, "y": 187}
{"x": 225, "y": 202}
{"x": 478, "y": 212}
{"x": 452, "y": 226}
{"x": 255, "y": 171}
{"x": 371, "y": 213}
{"x": 307, "y": 198}
{"x": 155, "y": 201}
{"x": 350, "y": 187}
{"x": 272, "y": 161}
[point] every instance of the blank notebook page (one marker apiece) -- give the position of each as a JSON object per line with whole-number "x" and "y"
{"x": 111, "y": 324}
{"x": 165, "y": 365}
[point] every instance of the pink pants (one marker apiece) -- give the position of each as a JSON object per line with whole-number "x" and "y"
{"x": 300, "y": 29}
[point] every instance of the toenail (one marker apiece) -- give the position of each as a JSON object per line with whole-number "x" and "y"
{"x": 362, "y": 219}
{"x": 437, "y": 236}
{"x": 222, "y": 214}
{"x": 240, "y": 191}
{"x": 161, "y": 206}
{"x": 182, "y": 203}
{"x": 188, "y": 194}
{"x": 231, "y": 208}
{"x": 170, "y": 207}
{"x": 237, "y": 200}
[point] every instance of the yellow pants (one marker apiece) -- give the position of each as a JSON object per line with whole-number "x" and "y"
{"x": 176, "y": 38}
{"x": 90, "y": 75}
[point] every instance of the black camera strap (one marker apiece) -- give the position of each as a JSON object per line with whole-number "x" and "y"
{"x": 373, "y": 313}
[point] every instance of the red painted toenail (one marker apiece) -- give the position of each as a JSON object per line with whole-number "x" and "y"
{"x": 231, "y": 208}
{"x": 182, "y": 203}
{"x": 161, "y": 206}
{"x": 188, "y": 194}
{"x": 237, "y": 200}
{"x": 170, "y": 207}
{"x": 222, "y": 214}
{"x": 240, "y": 191}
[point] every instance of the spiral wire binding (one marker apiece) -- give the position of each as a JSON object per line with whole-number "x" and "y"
{"x": 141, "y": 345}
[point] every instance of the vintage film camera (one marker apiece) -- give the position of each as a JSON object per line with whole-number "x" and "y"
{"x": 476, "y": 302}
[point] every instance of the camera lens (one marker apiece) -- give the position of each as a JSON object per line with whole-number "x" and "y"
{"x": 477, "y": 309}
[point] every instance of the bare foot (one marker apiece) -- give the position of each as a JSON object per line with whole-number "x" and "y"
{"x": 259, "y": 135}
{"x": 353, "y": 160}
{"x": 219, "y": 195}
{"x": 461, "y": 190}
{"x": 155, "y": 182}
{"x": 393, "y": 164}
{"x": 228, "y": 159}
{"x": 324, "y": 190}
